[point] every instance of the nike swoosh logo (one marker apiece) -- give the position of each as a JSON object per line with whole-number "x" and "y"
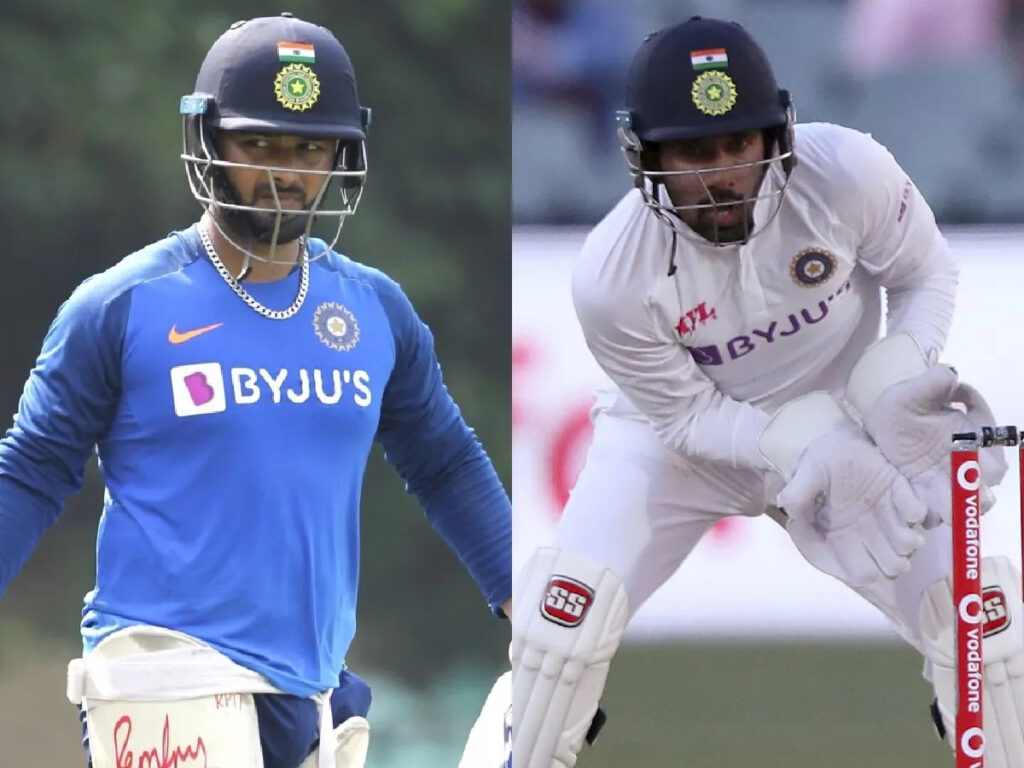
{"x": 180, "y": 337}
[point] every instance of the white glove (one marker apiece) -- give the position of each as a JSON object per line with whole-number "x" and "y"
{"x": 849, "y": 512}
{"x": 907, "y": 411}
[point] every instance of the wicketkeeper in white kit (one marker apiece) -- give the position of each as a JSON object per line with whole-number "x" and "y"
{"x": 734, "y": 297}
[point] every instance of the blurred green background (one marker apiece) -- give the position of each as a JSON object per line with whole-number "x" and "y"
{"x": 771, "y": 704}
{"x": 89, "y": 161}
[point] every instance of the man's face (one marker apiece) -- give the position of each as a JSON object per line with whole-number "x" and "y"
{"x": 730, "y": 186}
{"x": 296, "y": 156}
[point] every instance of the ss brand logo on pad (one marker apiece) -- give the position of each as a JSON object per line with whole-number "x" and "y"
{"x": 997, "y": 617}
{"x": 566, "y": 601}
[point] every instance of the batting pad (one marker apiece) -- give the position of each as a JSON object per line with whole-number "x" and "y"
{"x": 153, "y": 696}
{"x": 349, "y": 743}
{"x": 487, "y": 746}
{"x": 570, "y": 613}
{"x": 1003, "y": 659}
{"x": 135, "y": 717}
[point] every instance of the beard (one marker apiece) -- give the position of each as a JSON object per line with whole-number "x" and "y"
{"x": 258, "y": 226}
{"x": 293, "y": 221}
{"x": 261, "y": 225}
{"x": 729, "y": 219}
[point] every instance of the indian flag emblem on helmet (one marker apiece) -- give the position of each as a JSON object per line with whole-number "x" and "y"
{"x": 713, "y": 92}
{"x": 297, "y": 87}
{"x": 709, "y": 58}
{"x": 336, "y": 326}
{"x": 300, "y": 52}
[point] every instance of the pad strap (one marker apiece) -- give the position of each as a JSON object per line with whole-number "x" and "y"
{"x": 348, "y": 744}
{"x": 170, "y": 675}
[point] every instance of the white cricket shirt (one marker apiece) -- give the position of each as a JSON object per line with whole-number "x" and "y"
{"x": 707, "y": 353}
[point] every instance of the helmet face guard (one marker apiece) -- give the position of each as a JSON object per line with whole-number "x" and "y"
{"x": 699, "y": 79}
{"x": 774, "y": 177}
{"x": 337, "y": 198}
{"x": 275, "y": 76}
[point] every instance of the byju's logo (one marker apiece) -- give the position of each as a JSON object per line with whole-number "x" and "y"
{"x": 738, "y": 346}
{"x": 198, "y": 389}
{"x": 205, "y": 388}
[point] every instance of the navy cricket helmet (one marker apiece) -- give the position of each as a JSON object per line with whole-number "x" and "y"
{"x": 275, "y": 75}
{"x": 700, "y": 78}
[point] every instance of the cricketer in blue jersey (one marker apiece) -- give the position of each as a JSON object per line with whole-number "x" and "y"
{"x": 232, "y": 378}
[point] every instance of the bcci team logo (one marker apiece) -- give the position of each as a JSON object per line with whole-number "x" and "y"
{"x": 336, "y": 326}
{"x": 713, "y": 92}
{"x": 812, "y": 266}
{"x": 297, "y": 87}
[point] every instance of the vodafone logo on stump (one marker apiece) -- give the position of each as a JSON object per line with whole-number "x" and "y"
{"x": 969, "y": 467}
{"x": 970, "y": 606}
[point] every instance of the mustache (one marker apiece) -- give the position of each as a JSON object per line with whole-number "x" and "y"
{"x": 265, "y": 190}
{"x": 722, "y": 197}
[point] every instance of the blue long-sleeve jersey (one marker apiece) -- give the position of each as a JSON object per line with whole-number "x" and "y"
{"x": 233, "y": 449}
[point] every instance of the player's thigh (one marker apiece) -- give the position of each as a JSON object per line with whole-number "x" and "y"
{"x": 640, "y": 509}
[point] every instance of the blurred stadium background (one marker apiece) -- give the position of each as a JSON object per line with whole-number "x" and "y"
{"x": 89, "y": 159}
{"x": 748, "y": 656}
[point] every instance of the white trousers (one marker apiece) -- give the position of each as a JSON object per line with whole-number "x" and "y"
{"x": 640, "y": 509}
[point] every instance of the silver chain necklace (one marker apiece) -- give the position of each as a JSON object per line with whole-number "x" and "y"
{"x": 244, "y": 295}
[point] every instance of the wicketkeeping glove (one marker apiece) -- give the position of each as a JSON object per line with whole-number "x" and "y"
{"x": 908, "y": 408}
{"x": 849, "y": 511}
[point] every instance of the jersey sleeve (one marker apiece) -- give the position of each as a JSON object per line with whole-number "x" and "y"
{"x": 443, "y": 464}
{"x": 66, "y": 407}
{"x": 636, "y": 348}
{"x": 901, "y": 244}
